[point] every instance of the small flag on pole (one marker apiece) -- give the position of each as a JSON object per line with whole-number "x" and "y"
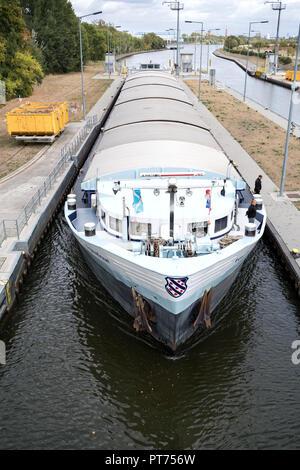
{"x": 137, "y": 201}
{"x": 208, "y": 200}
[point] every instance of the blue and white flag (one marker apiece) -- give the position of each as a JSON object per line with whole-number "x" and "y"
{"x": 137, "y": 201}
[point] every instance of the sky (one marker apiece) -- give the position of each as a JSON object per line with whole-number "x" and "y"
{"x": 138, "y": 16}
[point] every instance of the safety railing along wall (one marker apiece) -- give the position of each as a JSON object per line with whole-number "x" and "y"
{"x": 13, "y": 227}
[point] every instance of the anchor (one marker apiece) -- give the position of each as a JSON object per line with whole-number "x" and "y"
{"x": 142, "y": 313}
{"x": 204, "y": 311}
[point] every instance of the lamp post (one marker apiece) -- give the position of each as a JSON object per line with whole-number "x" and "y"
{"x": 246, "y": 72}
{"x": 177, "y": 6}
{"x": 216, "y": 29}
{"x": 200, "y": 71}
{"x": 172, "y": 29}
{"x": 108, "y": 48}
{"x": 81, "y": 59}
{"x": 277, "y": 6}
{"x": 258, "y": 49}
{"x": 290, "y": 118}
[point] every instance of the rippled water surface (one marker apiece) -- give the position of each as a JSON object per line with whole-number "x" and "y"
{"x": 78, "y": 376}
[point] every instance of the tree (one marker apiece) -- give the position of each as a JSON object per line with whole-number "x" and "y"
{"x": 231, "y": 42}
{"x": 55, "y": 27}
{"x": 19, "y": 70}
{"x": 25, "y": 73}
{"x": 95, "y": 42}
{"x": 152, "y": 41}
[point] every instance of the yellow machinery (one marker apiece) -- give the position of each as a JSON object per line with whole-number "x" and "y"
{"x": 289, "y": 75}
{"x": 37, "y": 121}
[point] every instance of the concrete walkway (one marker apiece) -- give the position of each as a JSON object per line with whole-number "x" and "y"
{"x": 17, "y": 189}
{"x": 281, "y": 212}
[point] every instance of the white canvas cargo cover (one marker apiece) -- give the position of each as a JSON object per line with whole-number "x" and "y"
{"x": 145, "y": 81}
{"x": 164, "y": 131}
{"x": 157, "y": 130}
{"x": 150, "y": 73}
{"x": 154, "y": 109}
{"x": 153, "y": 91}
{"x": 161, "y": 154}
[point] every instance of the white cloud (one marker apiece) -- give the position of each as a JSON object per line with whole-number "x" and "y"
{"x": 151, "y": 15}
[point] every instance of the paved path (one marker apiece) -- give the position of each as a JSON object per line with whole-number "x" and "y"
{"x": 17, "y": 190}
{"x": 280, "y": 210}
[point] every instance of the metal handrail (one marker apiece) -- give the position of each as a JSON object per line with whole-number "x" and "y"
{"x": 13, "y": 227}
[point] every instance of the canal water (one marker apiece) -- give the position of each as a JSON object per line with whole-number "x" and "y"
{"x": 274, "y": 97}
{"x": 77, "y": 376}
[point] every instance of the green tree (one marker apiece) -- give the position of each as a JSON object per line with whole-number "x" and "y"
{"x": 231, "y": 42}
{"x": 55, "y": 27}
{"x": 19, "y": 70}
{"x": 25, "y": 73}
{"x": 152, "y": 41}
{"x": 95, "y": 42}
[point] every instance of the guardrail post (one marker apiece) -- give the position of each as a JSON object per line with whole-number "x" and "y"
{"x": 17, "y": 226}
{"x": 4, "y": 230}
{"x": 26, "y": 218}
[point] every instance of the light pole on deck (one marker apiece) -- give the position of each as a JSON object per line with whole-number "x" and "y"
{"x": 247, "y": 62}
{"x": 200, "y": 69}
{"x": 81, "y": 59}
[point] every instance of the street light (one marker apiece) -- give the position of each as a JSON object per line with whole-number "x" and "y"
{"x": 200, "y": 71}
{"x": 216, "y": 29}
{"x": 108, "y": 48}
{"x": 172, "y": 29}
{"x": 81, "y": 59}
{"x": 290, "y": 118}
{"x": 177, "y": 6}
{"x": 246, "y": 72}
{"x": 277, "y": 6}
{"x": 258, "y": 49}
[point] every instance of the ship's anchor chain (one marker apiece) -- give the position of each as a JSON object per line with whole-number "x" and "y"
{"x": 142, "y": 313}
{"x": 204, "y": 311}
